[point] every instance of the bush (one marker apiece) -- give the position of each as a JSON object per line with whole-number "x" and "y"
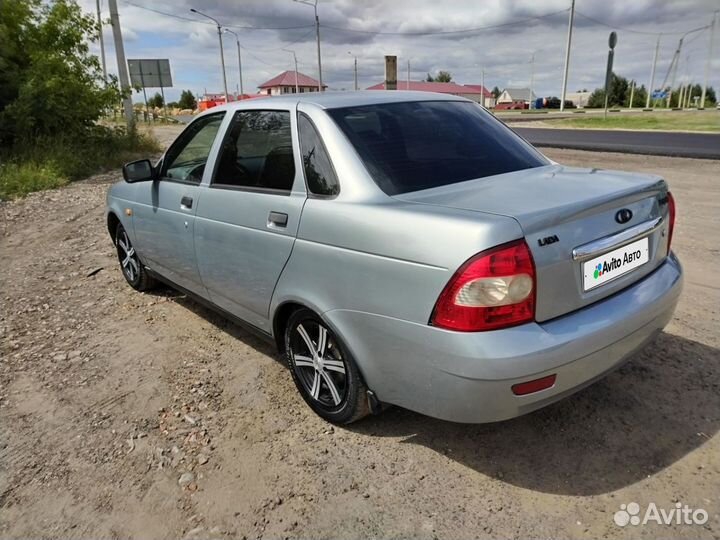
{"x": 18, "y": 179}
{"x": 53, "y": 162}
{"x": 52, "y": 95}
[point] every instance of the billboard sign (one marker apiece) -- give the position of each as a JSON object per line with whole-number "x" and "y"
{"x": 150, "y": 73}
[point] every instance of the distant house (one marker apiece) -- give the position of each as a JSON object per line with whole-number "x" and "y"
{"x": 579, "y": 99}
{"x": 288, "y": 82}
{"x": 515, "y": 98}
{"x": 208, "y": 101}
{"x": 474, "y": 92}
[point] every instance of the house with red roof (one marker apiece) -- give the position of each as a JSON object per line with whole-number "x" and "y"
{"x": 290, "y": 82}
{"x": 475, "y": 92}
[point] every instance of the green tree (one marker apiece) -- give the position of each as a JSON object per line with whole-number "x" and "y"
{"x": 618, "y": 95}
{"x": 496, "y": 92}
{"x": 156, "y": 101}
{"x": 442, "y": 76}
{"x": 639, "y": 96}
{"x": 187, "y": 100}
{"x": 51, "y": 84}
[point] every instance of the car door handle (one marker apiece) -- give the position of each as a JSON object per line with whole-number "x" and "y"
{"x": 186, "y": 202}
{"x": 278, "y": 219}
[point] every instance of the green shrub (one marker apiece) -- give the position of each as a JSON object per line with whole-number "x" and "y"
{"x": 18, "y": 179}
{"x": 53, "y": 162}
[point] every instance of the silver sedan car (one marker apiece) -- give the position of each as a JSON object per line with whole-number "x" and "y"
{"x": 403, "y": 248}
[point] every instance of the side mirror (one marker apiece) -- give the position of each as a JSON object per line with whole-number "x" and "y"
{"x": 138, "y": 171}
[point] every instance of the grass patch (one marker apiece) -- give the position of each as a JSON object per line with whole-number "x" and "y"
{"x": 51, "y": 163}
{"x": 708, "y": 121}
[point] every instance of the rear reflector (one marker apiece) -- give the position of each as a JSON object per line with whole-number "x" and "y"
{"x": 531, "y": 387}
{"x": 671, "y": 216}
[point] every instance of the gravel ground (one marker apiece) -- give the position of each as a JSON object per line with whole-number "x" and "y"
{"x": 146, "y": 415}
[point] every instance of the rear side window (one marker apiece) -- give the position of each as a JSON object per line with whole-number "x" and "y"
{"x": 257, "y": 152}
{"x": 425, "y": 144}
{"x": 319, "y": 172}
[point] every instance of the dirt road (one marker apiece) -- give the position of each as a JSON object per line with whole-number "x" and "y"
{"x": 145, "y": 415}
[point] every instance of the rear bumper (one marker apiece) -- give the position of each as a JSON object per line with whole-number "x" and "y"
{"x": 467, "y": 377}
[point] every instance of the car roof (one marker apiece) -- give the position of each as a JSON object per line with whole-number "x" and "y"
{"x": 334, "y": 100}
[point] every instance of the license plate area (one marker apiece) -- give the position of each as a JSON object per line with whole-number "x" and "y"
{"x": 615, "y": 263}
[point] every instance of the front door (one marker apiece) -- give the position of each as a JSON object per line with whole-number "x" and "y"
{"x": 165, "y": 218}
{"x": 248, "y": 218}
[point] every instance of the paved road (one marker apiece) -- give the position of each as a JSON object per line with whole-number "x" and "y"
{"x": 659, "y": 143}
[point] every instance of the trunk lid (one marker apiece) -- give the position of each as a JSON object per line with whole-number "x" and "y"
{"x": 561, "y": 209}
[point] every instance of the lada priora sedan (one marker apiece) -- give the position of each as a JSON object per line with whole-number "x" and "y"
{"x": 403, "y": 248}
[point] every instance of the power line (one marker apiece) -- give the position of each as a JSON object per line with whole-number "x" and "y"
{"x": 301, "y": 38}
{"x": 443, "y": 32}
{"x": 189, "y": 19}
{"x": 644, "y": 32}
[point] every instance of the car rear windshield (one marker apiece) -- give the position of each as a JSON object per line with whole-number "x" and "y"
{"x": 424, "y": 144}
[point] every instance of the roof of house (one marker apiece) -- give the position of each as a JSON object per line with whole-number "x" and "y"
{"x": 287, "y": 78}
{"x": 519, "y": 94}
{"x": 439, "y": 87}
{"x": 480, "y": 89}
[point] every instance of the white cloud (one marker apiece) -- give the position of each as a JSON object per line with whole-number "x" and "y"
{"x": 503, "y": 52}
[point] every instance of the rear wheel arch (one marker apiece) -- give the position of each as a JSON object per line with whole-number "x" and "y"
{"x": 282, "y": 315}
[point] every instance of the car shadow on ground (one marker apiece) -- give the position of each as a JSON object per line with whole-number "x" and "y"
{"x": 660, "y": 406}
{"x": 640, "y": 419}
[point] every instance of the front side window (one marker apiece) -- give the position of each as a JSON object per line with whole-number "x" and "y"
{"x": 186, "y": 159}
{"x": 424, "y": 144}
{"x": 319, "y": 172}
{"x": 257, "y": 152}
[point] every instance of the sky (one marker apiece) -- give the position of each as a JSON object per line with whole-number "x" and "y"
{"x": 498, "y": 37}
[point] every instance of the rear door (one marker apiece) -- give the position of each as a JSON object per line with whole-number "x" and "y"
{"x": 165, "y": 216}
{"x": 248, "y": 217}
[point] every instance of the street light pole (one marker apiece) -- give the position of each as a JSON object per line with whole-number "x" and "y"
{"x": 102, "y": 42}
{"x": 237, "y": 40}
{"x": 317, "y": 33}
{"x": 297, "y": 89}
{"x": 709, "y": 59}
{"x": 567, "y": 56}
{"x": 356, "y": 80}
{"x": 222, "y": 53}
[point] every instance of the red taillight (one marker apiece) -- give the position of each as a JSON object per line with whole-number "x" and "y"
{"x": 530, "y": 387}
{"x": 671, "y": 216}
{"x": 495, "y": 289}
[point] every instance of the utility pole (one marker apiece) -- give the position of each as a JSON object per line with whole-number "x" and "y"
{"x": 482, "y": 83}
{"x": 317, "y": 33}
{"x": 652, "y": 73}
{"x": 122, "y": 64}
{"x": 297, "y": 89}
{"x": 356, "y": 79}
{"x": 237, "y": 40}
{"x": 673, "y": 67}
{"x": 222, "y": 53}
{"x": 532, "y": 79}
{"x": 632, "y": 93}
{"x": 102, "y": 41}
{"x": 567, "y": 56}
{"x": 407, "y": 85}
{"x": 709, "y": 60}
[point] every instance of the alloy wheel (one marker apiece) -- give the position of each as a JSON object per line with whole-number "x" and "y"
{"x": 319, "y": 364}
{"x": 127, "y": 256}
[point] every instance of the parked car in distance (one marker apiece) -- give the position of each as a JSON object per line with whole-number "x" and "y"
{"x": 403, "y": 248}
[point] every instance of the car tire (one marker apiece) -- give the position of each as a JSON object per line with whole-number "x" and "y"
{"x": 130, "y": 265}
{"x": 323, "y": 369}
